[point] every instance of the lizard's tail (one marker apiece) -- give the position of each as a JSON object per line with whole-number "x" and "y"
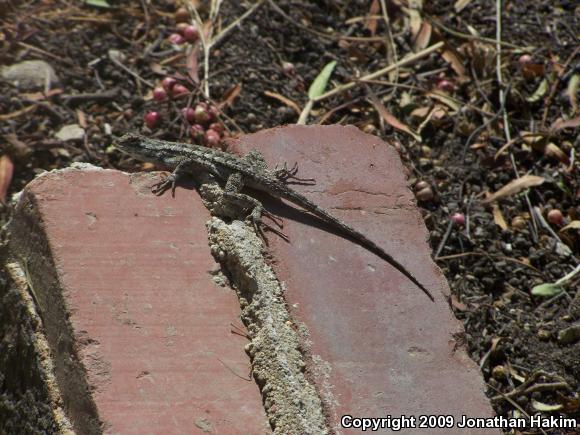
{"x": 357, "y": 237}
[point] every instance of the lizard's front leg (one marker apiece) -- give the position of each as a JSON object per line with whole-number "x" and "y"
{"x": 172, "y": 179}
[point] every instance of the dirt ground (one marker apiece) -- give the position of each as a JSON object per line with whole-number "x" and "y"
{"x": 489, "y": 137}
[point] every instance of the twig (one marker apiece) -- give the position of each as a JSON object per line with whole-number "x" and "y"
{"x": 391, "y": 45}
{"x": 486, "y": 254}
{"x": 477, "y": 38}
{"x": 444, "y": 239}
{"x": 321, "y": 34}
{"x": 403, "y": 62}
{"x": 235, "y": 23}
{"x": 117, "y": 62}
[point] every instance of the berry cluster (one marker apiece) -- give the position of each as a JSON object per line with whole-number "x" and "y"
{"x": 201, "y": 119}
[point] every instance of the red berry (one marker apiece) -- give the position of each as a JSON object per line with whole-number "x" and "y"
{"x": 201, "y": 114}
{"x": 217, "y": 127}
{"x": 190, "y": 33}
{"x": 189, "y": 114}
{"x": 458, "y": 219}
{"x": 212, "y": 111}
{"x": 159, "y": 94}
{"x": 212, "y": 138}
{"x": 168, "y": 83}
{"x": 152, "y": 119}
{"x": 176, "y": 38}
{"x": 178, "y": 90}
{"x": 555, "y": 217}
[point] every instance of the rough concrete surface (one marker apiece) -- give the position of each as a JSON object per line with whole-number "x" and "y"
{"x": 140, "y": 334}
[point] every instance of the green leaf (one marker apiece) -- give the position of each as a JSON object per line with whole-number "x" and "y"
{"x": 99, "y": 3}
{"x": 547, "y": 290}
{"x": 318, "y": 86}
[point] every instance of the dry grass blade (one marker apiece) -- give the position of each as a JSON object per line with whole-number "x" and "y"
{"x": 287, "y": 101}
{"x": 390, "y": 119}
{"x": 514, "y": 187}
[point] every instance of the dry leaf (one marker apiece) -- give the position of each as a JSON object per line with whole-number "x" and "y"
{"x": 192, "y": 64}
{"x": 230, "y": 95}
{"x": 420, "y": 112}
{"x": 515, "y": 186}
{"x": 39, "y": 96}
{"x": 6, "y": 172}
{"x": 452, "y": 57}
{"x": 461, "y": 4}
{"x": 560, "y": 124}
{"x": 498, "y": 217}
{"x": 423, "y": 37}
{"x": 552, "y": 150}
{"x": 18, "y": 113}
{"x": 82, "y": 119}
{"x": 444, "y": 98}
{"x": 391, "y": 120}
{"x": 371, "y": 23}
{"x": 572, "y": 225}
{"x": 287, "y": 101}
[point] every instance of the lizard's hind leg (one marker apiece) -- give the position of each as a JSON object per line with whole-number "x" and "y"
{"x": 284, "y": 174}
{"x": 232, "y": 193}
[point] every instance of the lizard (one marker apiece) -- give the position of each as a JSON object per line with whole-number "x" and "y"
{"x": 237, "y": 172}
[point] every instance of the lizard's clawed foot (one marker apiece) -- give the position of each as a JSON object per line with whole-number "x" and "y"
{"x": 259, "y": 226}
{"x": 161, "y": 187}
{"x": 284, "y": 174}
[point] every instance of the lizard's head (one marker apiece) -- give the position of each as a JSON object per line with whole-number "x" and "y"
{"x": 129, "y": 144}
{"x": 137, "y": 146}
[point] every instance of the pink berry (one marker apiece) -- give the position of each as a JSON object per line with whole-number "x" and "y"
{"x": 152, "y": 119}
{"x": 445, "y": 85}
{"x": 189, "y": 114}
{"x": 178, "y": 90}
{"x": 168, "y": 83}
{"x": 212, "y": 138}
{"x": 458, "y": 219}
{"x": 525, "y": 58}
{"x": 288, "y": 68}
{"x": 201, "y": 115}
{"x": 159, "y": 94}
{"x": 555, "y": 217}
{"x": 190, "y": 33}
{"x": 197, "y": 132}
{"x": 176, "y": 38}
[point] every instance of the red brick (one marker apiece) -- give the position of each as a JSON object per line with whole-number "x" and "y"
{"x": 148, "y": 325}
{"x": 379, "y": 346}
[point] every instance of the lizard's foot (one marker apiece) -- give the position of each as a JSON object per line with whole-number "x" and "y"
{"x": 284, "y": 174}
{"x": 161, "y": 187}
{"x": 255, "y": 218}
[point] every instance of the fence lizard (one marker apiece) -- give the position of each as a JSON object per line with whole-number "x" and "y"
{"x": 237, "y": 172}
